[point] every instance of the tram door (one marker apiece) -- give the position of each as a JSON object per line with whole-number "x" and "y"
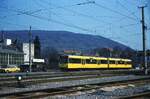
{"x": 83, "y": 63}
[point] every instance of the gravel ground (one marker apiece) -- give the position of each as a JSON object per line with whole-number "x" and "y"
{"x": 100, "y": 94}
{"x": 69, "y": 83}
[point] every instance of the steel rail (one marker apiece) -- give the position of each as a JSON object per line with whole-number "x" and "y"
{"x": 143, "y": 95}
{"x": 65, "y": 90}
{"x": 54, "y": 79}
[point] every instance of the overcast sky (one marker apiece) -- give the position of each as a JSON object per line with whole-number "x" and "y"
{"x": 118, "y": 20}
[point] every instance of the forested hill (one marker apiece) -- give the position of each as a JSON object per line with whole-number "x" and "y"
{"x": 64, "y": 40}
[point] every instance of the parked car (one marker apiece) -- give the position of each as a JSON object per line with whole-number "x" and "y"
{"x": 10, "y": 68}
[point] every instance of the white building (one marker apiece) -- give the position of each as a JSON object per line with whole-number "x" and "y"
{"x": 7, "y": 42}
{"x": 26, "y": 56}
{"x": 26, "y": 51}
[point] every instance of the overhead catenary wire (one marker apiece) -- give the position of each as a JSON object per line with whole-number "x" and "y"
{"x": 126, "y": 42}
{"x": 129, "y": 25}
{"x": 114, "y": 11}
{"x": 78, "y": 13}
{"x": 19, "y": 25}
{"x": 129, "y": 11}
{"x": 65, "y": 7}
{"x": 88, "y": 15}
{"x": 91, "y": 17}
{"x": 47, "y": 19}
{"x": 30, "y": 12}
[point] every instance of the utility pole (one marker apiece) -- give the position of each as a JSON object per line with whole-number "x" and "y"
{"x": 144, "y": 41}
{"x": 3, "y": 36}
{"x": 30, "y": 63}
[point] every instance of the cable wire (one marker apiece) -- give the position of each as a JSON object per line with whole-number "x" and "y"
{"x": 114, "y": 11}
{"x": 127, "y": 9}
{"x": 78, "y": 13}
{"x": 47, "y": 19}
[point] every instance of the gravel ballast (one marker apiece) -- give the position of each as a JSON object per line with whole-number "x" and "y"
{"x": 100, "y": 94}
{"x": 70, "y": 83}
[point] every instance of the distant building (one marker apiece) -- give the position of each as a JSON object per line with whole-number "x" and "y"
{"x": 71, "y": 52}
{"x": 26, "y": 51}
{"x": 140, "y": 57}
{"x": 10, "y": 55}
{"x": 34, "y": 60}
{"x": 7, "y": 42}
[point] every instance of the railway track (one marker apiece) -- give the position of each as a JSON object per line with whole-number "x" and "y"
{"x": 57, "y": 77}
{"x": 4, "y": 75}
{"x": 143, "y": 95}
{"x": 70, "y": 90}
{"x": 46, "y": 79}
{"x": 11, "y": 76}
{"x": 34, "y": 78}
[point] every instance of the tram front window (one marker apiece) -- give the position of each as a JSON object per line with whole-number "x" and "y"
{"x": 63, "y": 59}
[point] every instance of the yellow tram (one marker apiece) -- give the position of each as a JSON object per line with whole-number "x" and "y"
{"x": 90, "y": 62}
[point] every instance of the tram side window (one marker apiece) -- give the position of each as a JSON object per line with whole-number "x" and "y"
{"x": 98, "y": 62}
{"x": 91, "y": 61}
{"x": 120, "y": 62}
{"x": 111, "y": 62}
{"x": 128, "y": 62}
{"x": 104, "y": 62}
{"x": 73, "y": 60}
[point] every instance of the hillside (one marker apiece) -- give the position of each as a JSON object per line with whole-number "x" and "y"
{"x": 64, "y": 40}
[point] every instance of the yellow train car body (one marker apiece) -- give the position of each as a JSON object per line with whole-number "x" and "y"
{"x": 89, "y": 62}
{"x": 119, "y": 63}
